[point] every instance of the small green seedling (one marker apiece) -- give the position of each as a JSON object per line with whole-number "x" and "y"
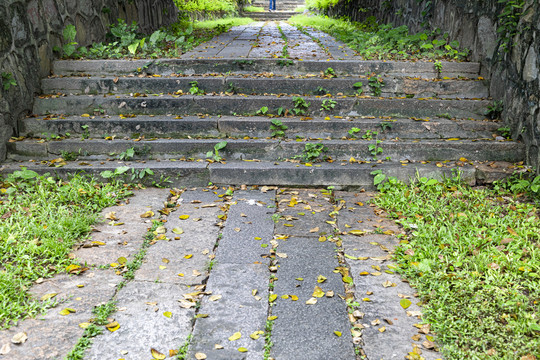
{"x": 359, "y": 86}
{"x": 300, "y": 105}
{"x": 278, "y": 128}
{"x": 262, "y": 111}
{"x": 194, "y": 89}
{"x": 215, "y": 154}
{"x": 328, "y": 104}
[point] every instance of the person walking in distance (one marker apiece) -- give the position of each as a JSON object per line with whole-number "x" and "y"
{"x": 272, "y": 6}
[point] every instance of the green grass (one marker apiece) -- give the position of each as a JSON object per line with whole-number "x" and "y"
{"x": 41, "y": 219}
{"x": 384, "y": 42}
{"x": 474, "y": 257}
{"x": 227, "y": 23}
{"x": 253, "y": 9}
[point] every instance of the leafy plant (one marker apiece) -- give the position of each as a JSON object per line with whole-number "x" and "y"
{"x": 194, "y": 89}
{"x": 313, "y": 152}
{"x": 354, "y": 131}
{"x": 359, "y": 86}
{"x": 320, "y": 91}
{"x": 262, "y": 111}
{"x": 438, "y": 67}
{"x": 329, "y": 72}
{"x": 505, "y": 131}
{"x": 127, "y": 155}
{"x": 281, "y": 111}
{"x": 369, "y": 135}
{"x": 8, "y": 81}
{"x": 284, "y": 63}
{"x": 328, "y": 104}
{"x": 86, "y": 133}
{"x": 300, "y": 105}
{"x": 495, "y": 109}
{"x": 70, "y": 45}
{"x": 386, "y": 125}
{"x": 375, "y": 149}
{"x": 376, "y": 83}
{"x": 116, "y": 174}
{"x": 215, "y": 154}
{"x": 521, "y": 183}
{"x": 139, "y": 174}
{"x": 278, "y": 128}
{"x": 509, "y": 21}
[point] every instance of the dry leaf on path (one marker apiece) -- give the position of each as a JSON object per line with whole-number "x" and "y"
{"x": 5, "y": 349}
{"x": 19, "y": 338}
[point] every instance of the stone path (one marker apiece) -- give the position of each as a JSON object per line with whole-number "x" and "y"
{"x": 216, "y": 265}
{"x": 267, "y": 39}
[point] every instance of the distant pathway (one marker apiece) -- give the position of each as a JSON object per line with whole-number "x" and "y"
{"x": 265, "y": 40}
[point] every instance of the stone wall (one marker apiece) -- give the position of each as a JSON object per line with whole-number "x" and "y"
{"x": 29, "y": 29}
{"x": 513, "y": 75}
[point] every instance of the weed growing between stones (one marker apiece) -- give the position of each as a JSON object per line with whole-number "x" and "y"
{"x": 278, "y": 128}
{"x": 473, "y": 256}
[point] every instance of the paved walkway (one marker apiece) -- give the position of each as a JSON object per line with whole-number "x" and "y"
{"x": 221, "y": 265}
{"x": 267, "y": 40}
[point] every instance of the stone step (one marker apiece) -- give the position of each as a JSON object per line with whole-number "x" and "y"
{"x": 344, "y": 175}
{"x": 272, "y": 149}
{"x": 421, "y": 69}
{"x": 316, "y": 85}
{"x": 270, "y": 16}
{"x": 255, "y": 126}
{"x": 232, "y": 105}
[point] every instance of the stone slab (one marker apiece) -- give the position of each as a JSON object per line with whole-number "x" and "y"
{"x": 304, "y": 331}
{"x": 229, "y": 105}
{"x": 146, "y": 126}
{"x": 236, "y": 311}
{"x": 188, "y": 253}
{"x": 52, "y": 336}
{"x": 384, "y": 301}
{"x": 143, "y": 326}
{"x": 198, "y": 66}
{"x": 124, "y": 240}
{"x": 249, "y": 218}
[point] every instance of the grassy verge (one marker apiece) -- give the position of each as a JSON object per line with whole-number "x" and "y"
{"x": 383, "y": 42}
{"x": 253, "y": 9}
{"x": 474, "y": 256}
{"x": 41, "y": 219}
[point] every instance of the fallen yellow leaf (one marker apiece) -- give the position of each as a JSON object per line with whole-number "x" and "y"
{"x": 67, "y": 311}
{"x": 318, "y": 292}
{"x": 157, "y": 355}
{"x": 235, "y": 336}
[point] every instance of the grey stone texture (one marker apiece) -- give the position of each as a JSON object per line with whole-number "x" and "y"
{"x": 52, "y": 336}
{"x": 29, "y": 30}
{"x": 143, "y": 325}
{"x": 513, "y": 75}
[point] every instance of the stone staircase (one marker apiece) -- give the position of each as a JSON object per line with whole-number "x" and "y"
{"x": 284, "y": 10}
{"x": 93, "y": 113}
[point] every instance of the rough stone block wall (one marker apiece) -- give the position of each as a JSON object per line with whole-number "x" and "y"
{"x": 29, "y": 29}
{"x": 513, "y": 75}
